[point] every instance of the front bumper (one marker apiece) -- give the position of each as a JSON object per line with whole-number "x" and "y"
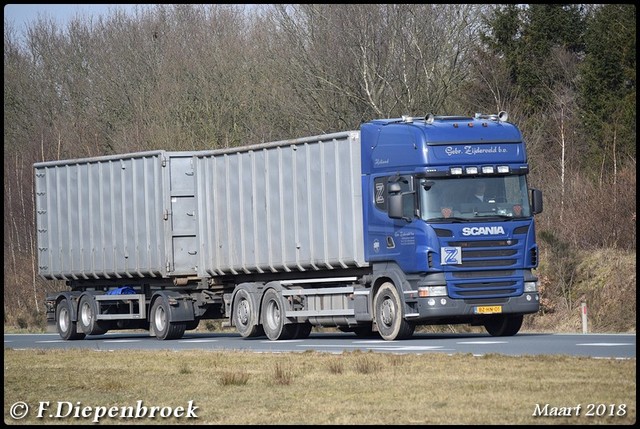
{"x": 445, "y": 308}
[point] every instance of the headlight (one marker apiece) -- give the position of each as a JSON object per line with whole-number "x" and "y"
{"x": 426, "y": 291}
{"x": 531, "y": 286}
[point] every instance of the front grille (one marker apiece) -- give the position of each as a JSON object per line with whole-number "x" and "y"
{"x": 470, "y": 290}
{"x": 493, "y": 286}
{"x": 534, "y": 257}
{"x": 479, "y": 274}
{"x": 489, "y": 253}
{"x": 487, "y": 263}
{"x": 483, "y": 243}
{"x": 488, "y": 269}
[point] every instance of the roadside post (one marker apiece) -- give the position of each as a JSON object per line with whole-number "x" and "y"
{"x": 583, "y": 311}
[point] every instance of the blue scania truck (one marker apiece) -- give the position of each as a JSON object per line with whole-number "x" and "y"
{"x": 405, "y": 222}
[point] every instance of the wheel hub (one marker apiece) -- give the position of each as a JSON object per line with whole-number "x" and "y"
{"x": 388, "y": 312}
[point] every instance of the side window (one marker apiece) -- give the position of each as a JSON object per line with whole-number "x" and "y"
{"x": 408, "y": 203}
{"x": 380, "y": 193}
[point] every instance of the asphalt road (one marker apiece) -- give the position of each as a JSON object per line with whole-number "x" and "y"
{"x": 611, "y": 346}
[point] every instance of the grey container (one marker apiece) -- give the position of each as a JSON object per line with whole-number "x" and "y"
{"x": 293, "y": 205}
{"x": 101, "y": 217}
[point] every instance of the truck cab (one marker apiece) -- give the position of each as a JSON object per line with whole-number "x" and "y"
{"x": 465, "y": 256}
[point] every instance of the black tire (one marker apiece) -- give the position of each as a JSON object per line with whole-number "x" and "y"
{"x": 273, "y": 318}
{"x": 190, "y": 326}
{"x": 245, "y": 315}
{"x": 165, "y": 329}
{"x": 302, "y": 330}
{"x": 87, "y": 310}
{"x": 503, "y": 325}
{"x": 67, "y": 329}
{"x": 364, "y": 331}
{"x": 389, "y": 315}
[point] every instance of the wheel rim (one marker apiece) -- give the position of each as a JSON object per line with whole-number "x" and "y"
{"x": 86, "y": 314}
{"x": 388, "y": 312}
{"x": 273, "y": 315}
{"x": 160, "y": 319}
{"x": 243, "y": 312}
{"x": 63, "y": 319}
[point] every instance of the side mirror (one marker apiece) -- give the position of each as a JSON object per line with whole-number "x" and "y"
{"x": 536, "y": 201}
{"x": 397, "y": 200}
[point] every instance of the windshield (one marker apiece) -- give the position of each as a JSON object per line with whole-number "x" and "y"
{"x": 472, "y": 197}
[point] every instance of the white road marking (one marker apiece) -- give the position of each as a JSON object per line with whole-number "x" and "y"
{"x": 383, "y": 347}
{"x": 605, "y": 344}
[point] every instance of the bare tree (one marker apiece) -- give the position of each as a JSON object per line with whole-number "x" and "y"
{"x": 355, "y": 62}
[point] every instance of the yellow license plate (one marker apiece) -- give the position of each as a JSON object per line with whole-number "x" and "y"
{"x": 488, "y": 309}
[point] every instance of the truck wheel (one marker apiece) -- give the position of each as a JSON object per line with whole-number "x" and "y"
{"x": 273, "y": 318}
{"x": 87, "y": 311}
{"x": 190, "y": 326}
{"x": 245, "y": 315}
{"x": 503, "y": 325}
{"x": 388, "y": 314}
{"x": 365, "y": 331}
{"x": 67, "y": 329}
{"x": 163, "y": 328}
{"x": 302, "y": 330}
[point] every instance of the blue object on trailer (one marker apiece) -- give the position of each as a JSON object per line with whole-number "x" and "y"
{"x": 125, "y": 290}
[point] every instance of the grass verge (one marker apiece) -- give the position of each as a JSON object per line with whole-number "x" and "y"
{"x": 317, "y": 388}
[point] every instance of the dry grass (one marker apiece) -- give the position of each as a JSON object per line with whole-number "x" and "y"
{"x": 320, "y": 388}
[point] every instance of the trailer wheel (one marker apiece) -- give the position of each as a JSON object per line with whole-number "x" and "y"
{"x": 245, "y": 315}
{"x": 388, "y": 314}
{"x": 87, "y": 311}
{"x": 273, "y": 318}
{"x": 163, "y": 328}
{"x": 67, "y": 329}
{"x": 503, "y": 325}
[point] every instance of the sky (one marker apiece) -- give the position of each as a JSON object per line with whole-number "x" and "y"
{"x": 23, "y": 14}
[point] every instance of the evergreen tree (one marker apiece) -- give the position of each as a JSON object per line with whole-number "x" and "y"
{"x": 524, "y": 36}
{"x": 608, "y": 84}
